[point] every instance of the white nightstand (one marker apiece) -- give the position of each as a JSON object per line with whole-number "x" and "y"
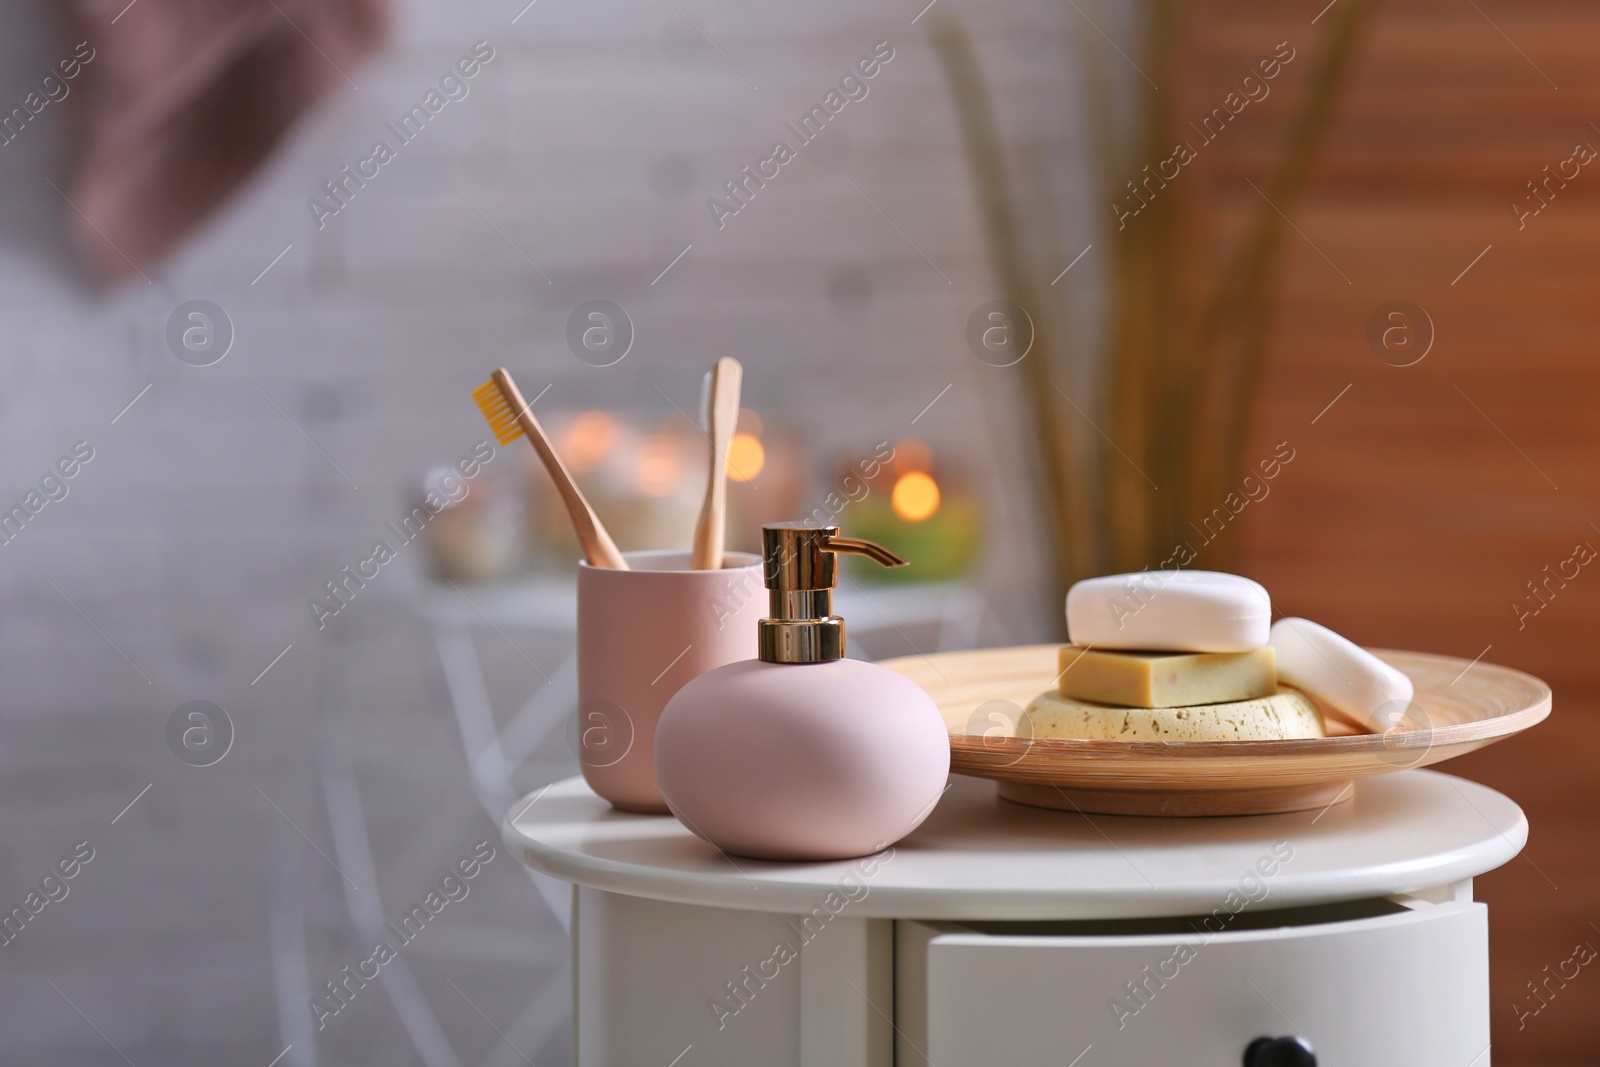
{"x": 1004, "y": 935}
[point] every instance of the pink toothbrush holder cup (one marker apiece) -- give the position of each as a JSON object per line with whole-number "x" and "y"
{"x": 643, "y": 633}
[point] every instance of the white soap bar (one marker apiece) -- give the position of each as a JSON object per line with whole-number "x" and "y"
{"x": 1169, "y": 611}
{"x": 1340, "y": 673}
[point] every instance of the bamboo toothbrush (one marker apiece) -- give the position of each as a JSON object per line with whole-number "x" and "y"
{"x": 509, "y": 417}
{"x": 721, "y": 413}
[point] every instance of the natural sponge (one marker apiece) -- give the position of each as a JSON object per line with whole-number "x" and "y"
{"x": 1285, "y": 714}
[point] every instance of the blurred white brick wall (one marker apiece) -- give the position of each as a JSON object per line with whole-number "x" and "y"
{"x": 193, "y": 539}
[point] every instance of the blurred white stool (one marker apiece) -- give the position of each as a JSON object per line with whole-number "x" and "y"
{"x": 543, "y": 603}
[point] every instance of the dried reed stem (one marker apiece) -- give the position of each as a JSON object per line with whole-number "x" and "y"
{"x": 1181, "y": 367}
{"x": 1061, "y": 459}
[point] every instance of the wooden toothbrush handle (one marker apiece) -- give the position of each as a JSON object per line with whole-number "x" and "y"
{"x": 598, "y": 548}
{"x": 723, "y": 411}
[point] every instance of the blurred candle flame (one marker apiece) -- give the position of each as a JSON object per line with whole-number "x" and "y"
{"x": 658, "y": 470}
{"x": 589, "y": 440}
{"x": 746, "y": 457}
{"x": 915, "y": 496}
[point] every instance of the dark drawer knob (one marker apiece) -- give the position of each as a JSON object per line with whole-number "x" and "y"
{"x": 1280, "y": 1052}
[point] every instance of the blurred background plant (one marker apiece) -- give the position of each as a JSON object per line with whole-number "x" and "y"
{"x": 1186, "y": 310}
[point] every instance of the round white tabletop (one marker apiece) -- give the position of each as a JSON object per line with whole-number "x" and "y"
{"x": 981, "y": 858}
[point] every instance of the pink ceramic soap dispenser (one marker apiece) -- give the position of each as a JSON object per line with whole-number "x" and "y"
{"x": 802, "y": 754}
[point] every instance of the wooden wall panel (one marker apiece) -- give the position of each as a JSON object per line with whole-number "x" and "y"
{"x": 1422, "y": 502}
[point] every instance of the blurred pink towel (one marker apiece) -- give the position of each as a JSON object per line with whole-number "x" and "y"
{"x": 183, "y": 99}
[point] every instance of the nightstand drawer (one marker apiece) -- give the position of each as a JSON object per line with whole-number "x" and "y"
{"x": 1394, "y": 987}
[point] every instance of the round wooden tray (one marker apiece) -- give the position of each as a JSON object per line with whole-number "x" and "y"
{"x": 1459, "y": 706}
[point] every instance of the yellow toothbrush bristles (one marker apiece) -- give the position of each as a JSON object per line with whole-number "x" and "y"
{"x": 497, "y": 411}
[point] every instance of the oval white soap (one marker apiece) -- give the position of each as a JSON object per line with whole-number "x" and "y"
{"x": 1340, "y": 673}
{"x": 1169, "y": 611}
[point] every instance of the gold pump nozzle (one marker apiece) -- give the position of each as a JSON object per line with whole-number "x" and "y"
{"x": 801, "y": 569}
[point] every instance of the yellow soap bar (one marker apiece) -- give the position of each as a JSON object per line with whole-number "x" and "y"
{"x": 1167, "y": 679}
{"x": 1285, "y": 714}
